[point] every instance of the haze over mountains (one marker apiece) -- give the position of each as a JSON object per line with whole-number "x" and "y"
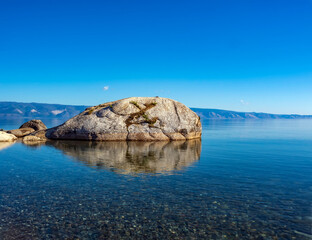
{"x": 38, "y": 110}
{"x": 226, "y": 114}
{"x": 43, "y": 110}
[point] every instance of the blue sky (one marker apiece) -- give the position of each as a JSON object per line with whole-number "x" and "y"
{"x": 237, "y": 55}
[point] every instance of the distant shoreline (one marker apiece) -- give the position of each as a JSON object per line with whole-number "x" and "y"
{"x": 18, "y": 110}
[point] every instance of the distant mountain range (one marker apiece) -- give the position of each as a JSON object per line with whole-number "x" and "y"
{"x": 42, "y": 110}
{"x": 38, "y": 110}
{"x": 225, "y": 114}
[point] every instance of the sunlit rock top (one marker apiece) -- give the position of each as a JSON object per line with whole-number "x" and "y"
{"x": 136, "y": 118}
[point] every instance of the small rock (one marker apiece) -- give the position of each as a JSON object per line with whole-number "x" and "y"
{"x": 21, "y": 132}
{"x": 7, "y": 137}
{"x": 34, "y": 124}
{"x": 30, "y": 138}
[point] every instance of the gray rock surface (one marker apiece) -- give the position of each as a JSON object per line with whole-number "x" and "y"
{"x": 136, "y": 118}
{"x": 34, "y": 124}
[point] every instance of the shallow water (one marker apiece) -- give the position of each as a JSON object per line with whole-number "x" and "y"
{"x": 244, "y": 180}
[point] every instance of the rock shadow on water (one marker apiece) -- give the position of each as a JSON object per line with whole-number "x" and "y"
{"x": 133, "y": 158}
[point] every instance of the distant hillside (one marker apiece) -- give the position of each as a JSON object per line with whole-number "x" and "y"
{"x": 38, "y": 110}
{"x": 42, "y": 110}
{"x": 225, "y": 114}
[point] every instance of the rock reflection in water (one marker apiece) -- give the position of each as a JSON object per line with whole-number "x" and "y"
{"x": 133, "y": 157}
{"x": 4, "y": 145}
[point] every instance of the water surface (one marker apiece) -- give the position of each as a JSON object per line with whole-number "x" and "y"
{"x": 244, "y": 180}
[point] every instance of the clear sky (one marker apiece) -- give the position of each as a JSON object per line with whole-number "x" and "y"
{"x": 253, "y": 55}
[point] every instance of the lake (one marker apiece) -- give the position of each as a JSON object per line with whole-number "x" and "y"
{"x": 244, "y": 180}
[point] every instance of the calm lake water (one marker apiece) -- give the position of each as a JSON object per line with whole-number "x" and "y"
{"x": 243, "y": 180}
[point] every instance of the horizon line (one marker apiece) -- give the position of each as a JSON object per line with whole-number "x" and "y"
{"x": 290, "y": 114}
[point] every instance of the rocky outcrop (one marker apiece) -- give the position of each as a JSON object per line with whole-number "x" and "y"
{"x": 40, "y": 135}
{"x": 7, "y": 137}
{"x": 34, "y": 124}
{"x": 21, "y": 132}
{"x": 30, "y": 138}
{"x": 133, "y": 157}
{"x": 28, "y": 128}
{"x": 136, "y": 118}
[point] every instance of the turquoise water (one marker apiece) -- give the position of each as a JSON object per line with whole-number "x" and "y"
{"x": 244, "y": 180}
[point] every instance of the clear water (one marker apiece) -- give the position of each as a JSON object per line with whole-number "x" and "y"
{"x": 244, "y": 180}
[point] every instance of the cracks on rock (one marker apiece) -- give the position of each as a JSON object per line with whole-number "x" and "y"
{"x": 183, "y": 132}
{"x": 128, "y": 132}
{"x": 90, "y": 110}
{"x": 108, "y": 105}
{"x": 119, "y": 114}
{"x": 197, "y": 122}
{"x": 162, "y": 130}
{"x": 151, "y": 135}
{"x": 136, "y": 113}
{"x": 165, "y": 134}
{"x": 176, "y": 110}
{"x": 134, "y": 116}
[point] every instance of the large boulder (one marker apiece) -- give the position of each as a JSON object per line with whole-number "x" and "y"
{"x": 34, "y": 124}
{"x": 7, "y": 137}
{"x": 136, "y": 118}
